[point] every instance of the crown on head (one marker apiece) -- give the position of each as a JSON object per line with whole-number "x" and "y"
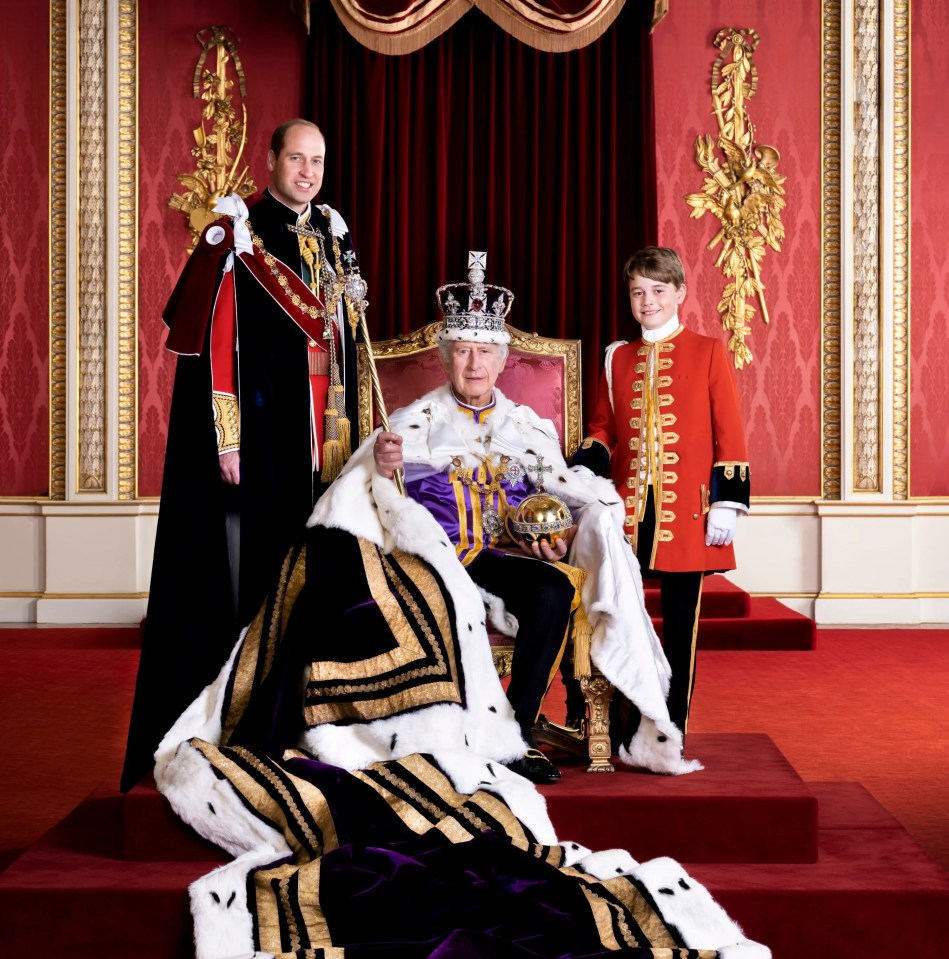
{"x": 487, "y": 306}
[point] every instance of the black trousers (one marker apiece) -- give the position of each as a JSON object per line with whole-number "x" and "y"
{"x": 680, "y": 597}
{"x": 539, "y": 596}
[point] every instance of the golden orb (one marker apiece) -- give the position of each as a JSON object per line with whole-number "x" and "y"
{"x": 541, "y": 516}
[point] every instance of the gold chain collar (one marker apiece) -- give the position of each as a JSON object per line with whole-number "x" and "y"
{"x": 333, "y": 293}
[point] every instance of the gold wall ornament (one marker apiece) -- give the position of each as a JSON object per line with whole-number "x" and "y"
{"x": 744, "y": 191}
{"x": 218, "y": 152}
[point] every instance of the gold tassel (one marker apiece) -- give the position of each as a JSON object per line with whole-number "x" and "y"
{"x": 581, "y": 631}
{"x": 332, "y": 461}
{"x": 342, "y": 427}
{"x": 582, "y": 634}
{"x": 336, "y": 449}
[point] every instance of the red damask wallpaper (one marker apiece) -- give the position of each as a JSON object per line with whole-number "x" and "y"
{"x": 24, "y": 257}
{"x": 780, "y": 388}
{"x": 929, "y": 251}
{"x": 272, "y": 48}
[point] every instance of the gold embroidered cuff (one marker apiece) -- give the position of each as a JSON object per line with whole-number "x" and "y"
{"x": 729, "y": 469}
{"x": 227, "y": 422}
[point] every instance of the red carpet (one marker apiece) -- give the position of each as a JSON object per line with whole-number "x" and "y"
{"x": 731, "y": 619}
{"x": 801, "y": 750}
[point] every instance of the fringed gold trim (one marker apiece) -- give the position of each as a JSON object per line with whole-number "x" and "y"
{"x": 550, "y": 35}
{"x": 336, "y": 444}
{"x": 411, "y": 33}
{"x": 332, "y": 461}
{"x": 523, "y": 21}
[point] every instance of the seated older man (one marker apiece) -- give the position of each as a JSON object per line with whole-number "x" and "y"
{"x": 470, "y": 457}
{"x": 473, "y": 501}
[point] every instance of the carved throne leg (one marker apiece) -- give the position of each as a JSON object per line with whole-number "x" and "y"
{"x": 598, "y": 692}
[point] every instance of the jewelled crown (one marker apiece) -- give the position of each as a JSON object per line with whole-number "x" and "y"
{"x": 487, "y": 306}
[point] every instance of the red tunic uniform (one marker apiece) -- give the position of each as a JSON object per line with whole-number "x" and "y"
{"x": 668, "y": 412}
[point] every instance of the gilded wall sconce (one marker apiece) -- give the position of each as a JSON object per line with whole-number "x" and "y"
{"x": 220, "y": 139}
{"x": 743, "y": 189}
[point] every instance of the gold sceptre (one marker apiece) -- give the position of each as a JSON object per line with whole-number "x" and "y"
{"x": 356, "y": 289}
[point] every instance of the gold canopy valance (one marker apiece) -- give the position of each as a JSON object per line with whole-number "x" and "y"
{"x": 403, "y": 26}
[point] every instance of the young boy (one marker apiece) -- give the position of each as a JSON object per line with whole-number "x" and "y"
{"x": 667, "y": 428}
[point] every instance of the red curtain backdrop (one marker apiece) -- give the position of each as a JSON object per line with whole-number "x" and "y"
{"x": 780, "y": 389}
{"x": 478, "y": 142}
{"x": 24, "y": 257}
{"x": 272, "y": 51}
{"x": 929, "y": 264}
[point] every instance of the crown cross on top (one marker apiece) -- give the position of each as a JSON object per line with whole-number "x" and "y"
{"x": 475, "y": 310}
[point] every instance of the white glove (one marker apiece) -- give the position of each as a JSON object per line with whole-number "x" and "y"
{"x": 720, "y": 526}
{"x": 234, "y": 207}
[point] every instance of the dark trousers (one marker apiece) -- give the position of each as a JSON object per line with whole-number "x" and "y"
{"x": 680, "y": 597}
{"x": 539, "y": 596}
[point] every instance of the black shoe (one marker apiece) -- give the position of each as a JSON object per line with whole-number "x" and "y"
{"x": 536, "y": 767}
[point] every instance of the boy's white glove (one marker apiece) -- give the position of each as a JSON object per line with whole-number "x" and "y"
{"x": 720, "y": 526}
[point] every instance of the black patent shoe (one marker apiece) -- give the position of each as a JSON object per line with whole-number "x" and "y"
{"x": 536, "y": 767}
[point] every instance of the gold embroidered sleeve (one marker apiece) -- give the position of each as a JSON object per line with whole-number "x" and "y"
{"x": 227, "y": 422}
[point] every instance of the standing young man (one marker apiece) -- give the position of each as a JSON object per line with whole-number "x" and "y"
{"x": 667, "y": 428}
{"x": 260, "y": 423}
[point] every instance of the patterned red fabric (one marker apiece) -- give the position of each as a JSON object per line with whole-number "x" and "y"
{"x": 272, "y": 49}
{"x": 780, "y": 389}
{"x": 24, "y": 257}
{"x": 929, "y": 265}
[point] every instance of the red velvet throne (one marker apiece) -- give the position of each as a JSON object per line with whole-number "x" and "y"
{"x": 543, "y": 373}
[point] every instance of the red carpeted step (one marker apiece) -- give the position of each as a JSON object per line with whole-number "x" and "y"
{"x": 93, "y": 636}
{"x": 72, "y": 894}
{"x": 873, "y": 892}
{"x": 769, "y": 625}
{"x": 747, "y": 805}
{"x": 732, "y": 619}
{"x": 720, "y": 597}
{"x": 152, "y": 831}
